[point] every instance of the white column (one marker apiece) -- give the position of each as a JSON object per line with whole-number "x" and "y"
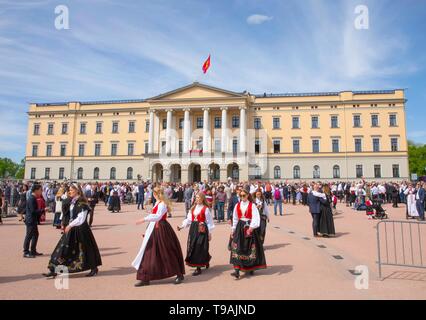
{"x": 186, "y": 132}
{"x": 224, "y": 129}
{"x": 151, "y": 132}
{"x": 169, "y": 132}
{"x": 206, "y": 131}
{"x": 243, "y": 129}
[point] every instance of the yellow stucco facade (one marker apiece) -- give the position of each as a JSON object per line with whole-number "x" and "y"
{"x": 200, "y": 132}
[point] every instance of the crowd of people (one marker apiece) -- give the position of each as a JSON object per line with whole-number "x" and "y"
{"x": 245, "y": 206}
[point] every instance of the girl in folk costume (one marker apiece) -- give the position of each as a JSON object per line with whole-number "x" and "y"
{"x": 160, "y": 255}
{"x": 369, "y": 210}
{"x": 201, "y": 222}
{"x": 410, "y": 193}
{"x": 247, "y": 253}
{"x": 262, "y": 207}
{"x": 77, "y": 249}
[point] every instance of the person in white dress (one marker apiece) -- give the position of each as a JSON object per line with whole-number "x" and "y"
{"x": 410, "y": 194}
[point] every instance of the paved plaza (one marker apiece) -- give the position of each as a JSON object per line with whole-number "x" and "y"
{"x": 299, "y": 266}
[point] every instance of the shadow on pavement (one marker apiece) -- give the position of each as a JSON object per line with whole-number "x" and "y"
{"x": 407, "y": 275}
{"x": 276, "y": 246}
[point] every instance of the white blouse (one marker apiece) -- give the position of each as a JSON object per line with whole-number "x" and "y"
{"x": 197, "y": 210}
{"x": 81, "y": 217}
{"x": 265, "y": 207}
{"x": 255, "y": 216}
{"x": 161, "y": 211}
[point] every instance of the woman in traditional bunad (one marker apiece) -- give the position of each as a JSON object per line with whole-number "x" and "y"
{"x": 247, "y": 252}
{"x": 201, "y": 224}
{"x": 77, "y": 250}
{"x": 262, "y": 206}
{"x": 160, "y": 255}
{"x": 410, "y": 194}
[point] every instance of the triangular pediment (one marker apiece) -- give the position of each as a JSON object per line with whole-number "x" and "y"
{"x": 196, "y": 91}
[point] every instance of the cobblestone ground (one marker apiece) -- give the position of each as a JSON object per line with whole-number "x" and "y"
{"x": 299, "y": 266}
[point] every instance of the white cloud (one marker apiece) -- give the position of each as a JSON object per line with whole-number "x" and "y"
{"x": 258, "y": 19}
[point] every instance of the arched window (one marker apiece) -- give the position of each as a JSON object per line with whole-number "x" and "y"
{"x": 96, "y": 173}
{"x": 336, "y": 172}
{"x": 130, "y": 173}
{"x": 316, "y": 173}
{"x": 112, "y": 173}
{"x": 277, "y": 172}
{"x": 235, "y": 172}
{"x": 80, "y": 173}
{"x": 296, "y": 172}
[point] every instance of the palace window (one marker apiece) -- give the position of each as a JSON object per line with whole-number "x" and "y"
{"x": 336, "y": 172}
{"x": 50, "y": 129}
{"x": 96, "y": 173}
{"x": 61, "y": 173}
{"x": 316, "y": 173}
{"x": 36, "y": 131}
{"x": 235, "y": 146}
{"x": 97, "y": 149}
{"x": 357, "y": 121}
{"x": 377, "y": 171}
{"x": 83, "y": 128}
{"x": 394, "y": 144}
{"x": 47, "y": 173}
{"x": 392, "y": 120}
{"x": 147, "y": 126}
{"x": 359, "y": 171}
{"x": 164, "y": 123}
{"x": 129, "y": 173}
{"x": 81, "y": 148}
{"x": 376, "y": 145}
{"x": 257, "y": 146}
{"x": 113, "y": 149}
{"x": 217, "y": 122}
{"x": 277, "y": 172}
{"x": 395, "y": 171}
{"x": 49, "y": 150}
{"x": 35, "y": 151}
{"x": 358, "y": 145}
{"x": 334, "y": 121}
{"x": 235, "y": 122}
{"x": 277, "y": 146}
{"x": 64, "y": 128}
{"x": 115, "y": 127}
{"x": 335, "y": 145}
{"x": 374, "y": 120}
{"x": 98, "y": 127}
{"x": 315, "y": 122}
{"x": 276, "y": 123}
{"x": 131, "y": 126}
{"x": 33, "y": 173}
{"x": 296, "y": 123}
{"x": 63, "y": 150}
{"x": 296, "y": 146}
{"x": 130, "y": 149}
{"x": 200, "y": 121}
{"x": 80, "y": 173}
{"x": 181, "y": 123}
{"x": 257, "y": 123}
{"x": 315, "y": 146}
{"x": 112, "y": 173}
{"x": 296, "y": 172}
{"x": 146, "y": 147}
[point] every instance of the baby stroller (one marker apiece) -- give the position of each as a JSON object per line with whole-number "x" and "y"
{"x": 380, "y": 213}
{"x": 128, "y": 199}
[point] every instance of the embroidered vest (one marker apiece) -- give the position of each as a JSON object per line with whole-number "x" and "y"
{"x": 248, "y": 212}
{"x": 201, "y": 216}
{"x": 155, "y": 209}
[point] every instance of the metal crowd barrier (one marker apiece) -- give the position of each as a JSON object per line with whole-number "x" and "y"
{"x": 399, "y": 243}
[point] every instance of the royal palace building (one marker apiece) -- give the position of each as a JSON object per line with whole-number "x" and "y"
{"x": 200, "y": 132}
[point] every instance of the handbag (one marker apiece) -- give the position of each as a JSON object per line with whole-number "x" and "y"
{"x": 202, "y": 227}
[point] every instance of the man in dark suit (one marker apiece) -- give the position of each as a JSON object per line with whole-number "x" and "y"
{"x": 141, "y": 195}
{"x": 92, "y": 196}
{"x": 314, "y": 202}
{"x": 420, "y": 201}
{"x": 32, "y": 216}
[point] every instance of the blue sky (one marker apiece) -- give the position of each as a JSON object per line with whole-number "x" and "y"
{"x": 122, "y": 49}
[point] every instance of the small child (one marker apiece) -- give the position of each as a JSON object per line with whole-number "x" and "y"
{"x": 334, "y": 201}
{"x": 370, "y": 210}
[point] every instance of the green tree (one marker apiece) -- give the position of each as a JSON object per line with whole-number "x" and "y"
{"x": 10, "y": 169}
{"x": 417, "y": 158}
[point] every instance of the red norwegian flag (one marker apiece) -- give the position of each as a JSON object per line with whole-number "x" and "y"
{"x": 206, "y": 65}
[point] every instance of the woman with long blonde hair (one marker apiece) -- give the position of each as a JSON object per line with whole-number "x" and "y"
{"x": 201, "y": 225}
{"x": 160, "y": 255}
